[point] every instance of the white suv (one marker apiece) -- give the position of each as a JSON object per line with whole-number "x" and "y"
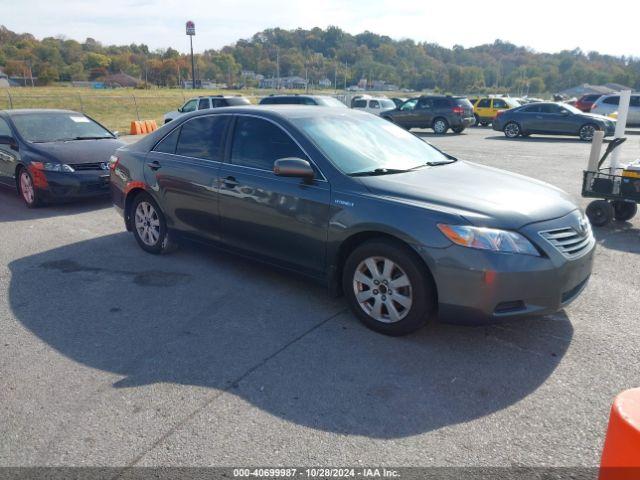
{"x": 202, "y": 103}
{"x": 608, "y": 104}
{"x": 374, "y": 105}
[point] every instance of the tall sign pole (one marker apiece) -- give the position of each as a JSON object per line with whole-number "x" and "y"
{"x": 191, "y": 31}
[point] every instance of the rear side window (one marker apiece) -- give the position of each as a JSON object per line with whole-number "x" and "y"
{"x": 611, "y": 100}
{"x": 267, "y": 101}
{"x": 441, "y": 103}
{"x": 203, "y": 103}
{"x": 168, "y": 144}
{"x": 235, "y": 101}
{"x": 531, "y": 109}
{"x": 360, "y": 104}
{"x": 484, "y": 103}
{"x": 307, "y": 101}
{"x": 425, "y": 103}
{"x": 635, "y": 101}
{"x": 550, "y": 108}
{"x": 202, "y": 137}
{"x": 258, "y": 144}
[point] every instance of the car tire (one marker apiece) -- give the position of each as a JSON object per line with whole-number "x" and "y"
{"x": 149, "y": 225}
{"x": 623, "y": 211}
{"x": 478, "y": 123}
{"x": 586, "y": 132}
{"x": 457, "y": 129}
{"x": 511, "y": 130}
{"x": 374, "y": 303}
{"x": 440, "y": 126}
{"x": 27, "y": 190}
{"x": 600, "y": 213}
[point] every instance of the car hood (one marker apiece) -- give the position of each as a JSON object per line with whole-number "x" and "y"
{"x": 78, "y": 151}
{"x": 485, "y": 196}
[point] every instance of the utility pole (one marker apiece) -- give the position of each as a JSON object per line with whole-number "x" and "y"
{"x": 191, "y": 31}
{"x": 346, "y": 67}
{"x": 277, "y": 68}
{"x": 335, "y": 77}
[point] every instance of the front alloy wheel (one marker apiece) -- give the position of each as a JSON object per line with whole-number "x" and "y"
{"x": 388, "y": 287}
{"x": 383, "y": 289}
{"x": 586, "y": 132}
{"x": 27, "y": 189}
{"x": 511, "y": 130}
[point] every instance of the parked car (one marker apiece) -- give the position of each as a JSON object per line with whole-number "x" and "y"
{"x": 438, "y": 112}
{"x": 205, "y": 103}
{"x": 319, "y": 100}
{"x": 374, "y": 105}
{"x": 585, "y": 102}
{"x": 50, "y": 155}
{"x": 608, "y": 104}
{"x": 404, "y": 230}
{"x": 486, "y": 108}
{"x": 551, "y": 119}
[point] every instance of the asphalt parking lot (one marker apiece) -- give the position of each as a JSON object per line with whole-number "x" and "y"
{"x": 110, "y": 356}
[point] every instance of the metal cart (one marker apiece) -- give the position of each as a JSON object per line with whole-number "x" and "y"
{"x": 618, "y": 194}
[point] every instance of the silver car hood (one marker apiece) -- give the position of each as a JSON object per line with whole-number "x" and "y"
{"x": 485, "y": 196}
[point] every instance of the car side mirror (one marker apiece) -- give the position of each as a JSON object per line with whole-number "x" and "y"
{"x": 116, "y": 134}
{"x": 180, "y": 109}
{"x": 293, "y": 167}
{"x": 9, "y": 141}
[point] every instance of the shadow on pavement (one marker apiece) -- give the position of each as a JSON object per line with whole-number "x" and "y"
{"x": 622, "y": 236}
{"x": 538, "y": 139}
{"x": 14, "y": 208}
{"x": 204, "y": 318}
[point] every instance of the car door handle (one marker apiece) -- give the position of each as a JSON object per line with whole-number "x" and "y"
{"x": 230, "y": 182}
{"x": 154, "y": 165}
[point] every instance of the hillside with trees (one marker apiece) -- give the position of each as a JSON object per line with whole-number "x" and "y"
{"x": 320, "y": 54}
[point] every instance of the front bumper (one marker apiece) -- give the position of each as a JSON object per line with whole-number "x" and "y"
{"x": 478, "y": 287}
{"x": 77, "y": 185}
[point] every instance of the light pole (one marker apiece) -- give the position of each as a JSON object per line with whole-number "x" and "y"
{"x": 191, "y": 31}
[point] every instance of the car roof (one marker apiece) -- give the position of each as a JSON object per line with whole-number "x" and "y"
{"x": 278, "y": 111}
{"x": 27, "y": 111}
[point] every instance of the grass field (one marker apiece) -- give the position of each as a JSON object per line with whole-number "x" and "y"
{"x": 113, "y": 108}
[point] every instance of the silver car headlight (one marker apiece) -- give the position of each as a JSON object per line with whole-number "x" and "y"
{"x": 57, "y": 167}
{"x": 488, "y": 239}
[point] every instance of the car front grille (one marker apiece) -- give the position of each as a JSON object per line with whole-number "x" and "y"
{"x": 568, "y": 241}
{"x": 89, "y": 166}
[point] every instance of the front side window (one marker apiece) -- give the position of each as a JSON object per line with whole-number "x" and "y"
{"x": 550, "y": 108}
{"x": 203, "y": 137}
{"x": 5, "y": 130}
{"x": 611, "y": 100}
{"x": 635, "y": 101}
{"x": 360, "y": 104}
{"x": 258, "y": 143}
{"x": 425, "y": 103}
{"x": 190, "y": 106}
{"x": 374, "y": 104}
{"x": 58, "y": 126}
{"x": 203, "y": 104}
{"x": 409, "y": 104}
{"x": 498, "y": 103}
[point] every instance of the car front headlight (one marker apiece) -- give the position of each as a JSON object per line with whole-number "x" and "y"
{"x": 54, "y": 167}
{"x": 488, "y": 239}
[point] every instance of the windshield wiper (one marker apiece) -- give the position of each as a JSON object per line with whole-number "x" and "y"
{"x": 435, "y": 164}
{"x": 378, "y": 171}
{"x": 88, "y": 138}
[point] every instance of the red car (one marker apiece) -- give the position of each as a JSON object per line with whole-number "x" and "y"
{"x": 586, "y": 101}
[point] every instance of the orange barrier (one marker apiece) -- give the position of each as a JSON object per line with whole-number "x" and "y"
{"x": 621, "y": 451}
{"x": 139, "y": 127}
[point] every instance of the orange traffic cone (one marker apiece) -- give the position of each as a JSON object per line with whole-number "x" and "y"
{"x": 143, "y": 127}
{"x": 148, "y": 125}
{"x": 135, "y": 128}
{"x": 154, "y": 125}
{"x": 621, "y": 451}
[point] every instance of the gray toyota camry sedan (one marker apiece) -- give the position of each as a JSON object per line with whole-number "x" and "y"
{"x": 406, "y": 232}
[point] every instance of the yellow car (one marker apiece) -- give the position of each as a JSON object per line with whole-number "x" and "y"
{"x": 485, "y": 109}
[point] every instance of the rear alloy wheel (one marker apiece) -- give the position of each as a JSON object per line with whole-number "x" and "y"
{"x": 440, "y": 126}
{"x": 386, "y": 288}
{"x": 149, "y": 225}
{"x": 27, "y": 190}
{"x": 623, "y": 211}
{"x": 586, "y": 132}
{"x": 600, "y": 213}
{"x": 511, "y": 130}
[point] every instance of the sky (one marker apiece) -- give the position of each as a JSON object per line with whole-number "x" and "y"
{"x": 544, "y": 25}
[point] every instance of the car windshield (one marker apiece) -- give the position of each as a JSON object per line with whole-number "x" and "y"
{"x": 358, "y": 144}
{"x": 331, "y": 102}
{"x": 54, "y": 127}
{"x": 571, "y": 108}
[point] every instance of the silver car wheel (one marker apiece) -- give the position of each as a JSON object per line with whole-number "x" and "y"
{"x": 26, "y": 187}
{"x": 586, "y": 132}
{"x": 439, "y": 126}
{"x": 147, "y": 223}
{"x": 512, "y": 130}
{"x": 382, "y": 289}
